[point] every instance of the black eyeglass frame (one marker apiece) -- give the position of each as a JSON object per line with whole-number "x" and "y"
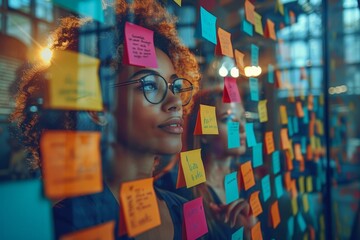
{"x": 169, "y": 86}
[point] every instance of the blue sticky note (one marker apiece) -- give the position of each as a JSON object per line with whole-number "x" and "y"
{"x": 88, "y": 8}
{"x": 248, "y": 28}
{"x": 233, "y": 134}
{"x": 250, "y": 135}
{"x": 290, "y": 126}
{"x": 279, "y": 186}
{"x": 231, "y": 187}
{"x": 301, "y": 222}
{"x": 254, "y": 55}
{"x": 257, "y": 155}
{"x": 25, "y": 213}
{"x": 303, "y": 144}
{"x": 254, "y": 89}
{"x": 276, "y": 162}
{"x": 290, "y": 224}
{"x": 315, "y": 103}
{"x": 266, "y": 187}
{"x": 208, "y": 25}
{"x": 295, "y": 124}
{"x": 238, "y": 235}
{"x": 306, "y": 115}
{"x": 270, "y": 73}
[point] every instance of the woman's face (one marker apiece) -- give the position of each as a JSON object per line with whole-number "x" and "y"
{"x": 141, "y": 125}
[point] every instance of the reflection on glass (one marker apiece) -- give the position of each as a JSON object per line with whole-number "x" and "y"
{"x": 44, "y": 10}
{"x": 19, "y": 27}
{"x": 22, "y": 5}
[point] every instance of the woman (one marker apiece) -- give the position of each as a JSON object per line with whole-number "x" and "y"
{"x": 223, "y": 219}
{"x": 147, "y": 119}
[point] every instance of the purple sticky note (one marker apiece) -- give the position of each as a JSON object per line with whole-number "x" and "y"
{"x": 194, "y": 217}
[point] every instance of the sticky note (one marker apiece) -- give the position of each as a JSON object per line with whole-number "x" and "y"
{"x": 269, "y": 142}
{"x": 25, "y": 213}
{"x": 309, "y": 184}
{"x": 295, "y": 124}
{"x": 250, "y": 135}
{"x": 299, "y": 109}
{"x": 247, "y": 175}
{"x": 233, "y": 134}
{"x": 255, "y": 204}
{"x": 294, "y": 206}
{"x": 275, "y": 214}
{"x": 231, "y": 187}
{"x": 298, "y": 154}
{"x": 73, "y": 82}
{"x": 139, "y": 48}
{"x": 266, "y": 187}
{"x": 88, "y": 8}
{"x": 276, "y": 162}
{"x": 208, "y": 25}
{"x": 193, "y": 167}
{"x": 303, "y": 144}
{"x": 285, "y": 143}
{"x": 71, "y": 163}
{"x": 290, "y": 225}
{"x": 257, "y": 155}
{"x": 139, "y": 205}
{"x": 278, "y": 79}
{"x": 194, "y": 217}
{"x": 104, "y": 231}
{"x": 288, "y": 160}
{"x": 206, "y": 122}
{"x": 178, "y": 2}
{"x": 254, "y": 89}
{"x": 305, "y": 201}
{"x": 247, "y": 28}
{"x": 301, "y": 222}
{"x": 256, "y": 231}
{"x": 231, "y": 91}
{"x": 180, "y": 181}
{"x": 279, "y": 7}
{"x": 283, "y": 115}
{"x": 270, "y": 73}
{"x": 238, "y": 235}
{"x": 301, "y": 184}
{"x": 258, "y": 24}
{"x": 249, "y": 11}
{"x": 254, "y": 55}
{"x": 290, "y": 126}
{"x": 278, "y": 186}
{"x": 224, "y": 45}
{"x": 262, "y": 109}
{"x": 270, "y": 29}
{"x": 310, "y": 101}
{"x": 239, "y": 58}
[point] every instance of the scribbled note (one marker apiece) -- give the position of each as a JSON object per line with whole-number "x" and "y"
{"x": 193, "y": 167}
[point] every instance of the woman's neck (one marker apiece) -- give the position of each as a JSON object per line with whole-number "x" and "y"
{"x": 216, "y": 169}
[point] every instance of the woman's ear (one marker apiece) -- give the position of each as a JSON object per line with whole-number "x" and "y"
{"x": 98, "y": 117}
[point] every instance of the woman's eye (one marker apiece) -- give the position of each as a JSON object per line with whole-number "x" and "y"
{"x": 149, "y": 86}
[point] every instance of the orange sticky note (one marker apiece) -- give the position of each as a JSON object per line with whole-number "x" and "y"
{"x": 239, "y": 58}
{"x": 206, "y": 122}
{"x": 299, "y": 110}
{"x": 270, "y": 29}
{"x": 283, "y": 115}
{"x": 275, "y": 214}
{"x": 193, "y": 167}
{"x": 249, "y": 12}
{"x": 71, "y": 163}
{"x": 103, "y": 231}
{"x": 284, "y": 137}
{"x": 278, "y": 80}
{"x": 298, "y": 154}
{"x": 293, "y": 189}
{"x": 138, "y": 201}
{"x": 256, "y": 232}
{"x": 269, "y": 142}
{"x": 247, "y": 175}
{"x": 287, "y": 178}
{"x": 255, "y": 204}
{"x": 258, "y": 24}
{"x": 262, "y": 109}
{"x": 288, "y": 159}
{"x": 224, "y": 45}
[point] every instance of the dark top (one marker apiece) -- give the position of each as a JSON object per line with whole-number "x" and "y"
{"x": 77, "y": 213}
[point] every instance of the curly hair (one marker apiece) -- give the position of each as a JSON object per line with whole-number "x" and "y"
{"x": 147, "y": 13}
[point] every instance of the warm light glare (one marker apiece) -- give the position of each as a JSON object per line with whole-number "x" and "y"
{"x": 234, "y": 72}
{"x": 338, "y": 89}
{"x": 252, "y": 71}
{"x": 46, "y": 55}
{"x": 223, "y": 72}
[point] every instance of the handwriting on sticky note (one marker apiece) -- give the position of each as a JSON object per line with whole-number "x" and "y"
{"x": 194, "y": 217}
{"x": 206, "y": 122}
{"x": 276, "y": 162}
{"x": 231, "y": 91}
{"x": 104, "y": 231}
{"x": 258, "y": 24}
{"x": 254, "y": 89}
{"x": 257, "y": 155}
{"x": 275, "y": 214}
{"x": 262, "y": 109}
{"x": 255, "y": 204}
{"x": 193, "y": 167}
{"x": 231, "y": 187}
{"x": 208, "y": 25}
{"x": 256, "y": 231}
{"x": 225, "y": 42}
{"x": 139, "y": 204}
{"x": 249, "y": 12}
{"x": 233, "y": 134}
{"x": 139, "y": 46}
{"x": 71, "y": 163}
{"x": 254, "y": 55}
{"x": 247, "y": 175}
{"x": 239, "y": 58}
{"x": 250, "y": 135}
{"x": 266, "y": 187}
{"x": 269, "y": 142}
{"x": 279, "y": 190}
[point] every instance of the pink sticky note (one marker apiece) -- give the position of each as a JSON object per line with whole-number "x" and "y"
{"x": 139, "y": 46}
{"x": 194, "y": 217}
{"x": 231, "y": 91}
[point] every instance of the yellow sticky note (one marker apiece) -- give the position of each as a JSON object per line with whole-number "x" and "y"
{"x": 302, "y": 184}
{"x": 305, "y": 201}
{"x": 206, "y": 122}
{"x": 139, "y": 205}
{"x": 283, "y": 115}
{"x": 309, "y": 184}
{"x": 262, "y": 108}
{"x": 178, "y": 2}
{"x": 258, "y": 24}
{"x": 193, "y": 167}
{"x": 104, "y": 231}
{"x": 322, "y": 222}
{"x": 279, "y": 7}
{"x": 73, "y": 82}
{"x": 313, "y": 142}
{"x": 294, "y": 206}
{"x": 319, "y": 127}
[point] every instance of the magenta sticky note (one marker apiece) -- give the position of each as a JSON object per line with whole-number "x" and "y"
{"x": 194, "y": 217}
{"x": 231, "y": 91}
{"x": 139, "y": 46}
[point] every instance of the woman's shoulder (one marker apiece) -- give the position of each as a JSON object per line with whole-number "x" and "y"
{"x": 170, "y": 198}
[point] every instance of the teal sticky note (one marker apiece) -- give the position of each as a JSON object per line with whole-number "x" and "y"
{"x": 266, "y": 187}
{"x": 233, "y": 134}
{"x": 25, "y": 213}
{"x": 257, "y": 155}
{"x": 254, "y": 89}
{"x": 238, "y": 235}
{"x": 301, "y": 222}
{"x": 303, "y": 144}
{"x": 254, "y": 55}
{"x": 306, "y": 115}
{"x": 315, "y": 103}
{"x": 231, "y": 187}
{"x": 270, "y": 73}
{"x": 320, "y": 112}
{"x": 208, "y": 25}
{"x": 290, "y": 225}
{"x": 279, "y": 186}
{"x": 88, "y": 8}
{"x": 248, "y": 28}
{"x": 250, "y": 135}
{"x": 290, "y": 126}
{"x": 276, "y": 162}
{"x": 295, "y": 121}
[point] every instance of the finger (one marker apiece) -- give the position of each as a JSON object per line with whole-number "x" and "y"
{"x": 230, "y": 207}
{"x": 240, "y": 209}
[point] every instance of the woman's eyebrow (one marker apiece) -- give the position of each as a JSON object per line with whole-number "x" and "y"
{"x": 143, "y": 72}
{"x": 174, "y": 76}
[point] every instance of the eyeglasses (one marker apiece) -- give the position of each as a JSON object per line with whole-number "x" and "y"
{"x": 155, "y": 88}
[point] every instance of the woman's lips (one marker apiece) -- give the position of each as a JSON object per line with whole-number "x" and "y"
{"x": 173, "y": 126}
